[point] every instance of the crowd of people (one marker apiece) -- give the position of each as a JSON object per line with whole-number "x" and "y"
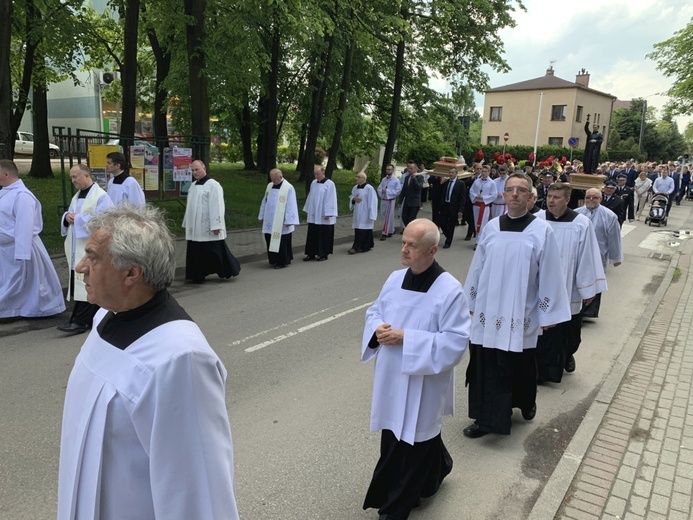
{"x": 146, "y": 369}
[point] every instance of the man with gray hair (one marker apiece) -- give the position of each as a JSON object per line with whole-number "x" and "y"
{"x": 145, "y": 430}
{"x": 418, "y": 330}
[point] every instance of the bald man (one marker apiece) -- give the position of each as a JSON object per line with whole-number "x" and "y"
{"x": 418, "y": 330}
{"x": 363, "y": 201}
{"x": 89, "y": 200}
{"x": 279, "y": 216}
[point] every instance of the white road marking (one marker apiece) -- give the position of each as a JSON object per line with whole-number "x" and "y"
{"x": 627, "y": 228}
{"x": 305, "y": 328}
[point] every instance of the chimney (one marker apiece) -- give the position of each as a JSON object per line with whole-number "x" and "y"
{"x": 583, "y": 78}
{"x": 549, "y": 71}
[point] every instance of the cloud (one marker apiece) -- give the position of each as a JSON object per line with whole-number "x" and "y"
{"x": 610, "y": 39}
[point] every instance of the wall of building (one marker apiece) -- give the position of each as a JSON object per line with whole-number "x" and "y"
{"x": 519, "y": 115}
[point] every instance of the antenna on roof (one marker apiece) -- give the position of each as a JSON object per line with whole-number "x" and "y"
{"x": 551, "y": 63}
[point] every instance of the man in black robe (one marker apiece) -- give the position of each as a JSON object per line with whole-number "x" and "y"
{"x": 592, "y": 147}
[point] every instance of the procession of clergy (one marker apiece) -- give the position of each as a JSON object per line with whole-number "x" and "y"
{"x": 522, "y": 328}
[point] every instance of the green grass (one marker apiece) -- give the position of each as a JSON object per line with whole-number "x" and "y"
{"x": 243, "y": 192}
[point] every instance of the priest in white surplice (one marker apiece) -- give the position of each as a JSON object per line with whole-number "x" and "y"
{"x": 363, "y": 201}
{"x": 417, "y": 331}
{"x": 121, "y": 187}
{"x": 205, "y": 229}
{"x": 608, "y": 232}
{"x": 584, "y": 279}
{"x": 388, "y": 191}
{"x": 321, "y": 207}
{"x": 29, "y": 285}
{"x": 482, "y": 194}
{"x": 89, "y": 200}
{"x": 279, "y": 216}
{"x": 515, "y": 288}
{"x": 145, "y": 431}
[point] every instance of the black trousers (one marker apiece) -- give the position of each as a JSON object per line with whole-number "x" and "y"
{"x": 447, "y": 222}
{"x": 405, "y": 473}
{"x": 285, "y": 253}
{"x": 319, "y": 240}
{"x": 363, "y": 240}
{"x": 498, "y": 382}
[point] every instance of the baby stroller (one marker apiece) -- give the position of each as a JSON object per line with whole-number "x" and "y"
{"x": 658, "y": 209}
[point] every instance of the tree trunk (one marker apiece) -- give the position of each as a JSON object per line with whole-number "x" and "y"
{"x": 32, "y": 18}
{"x": 163, "y": 66}
{"x": 394, "y": 112}
{"x": 270, "y": 135}
{"x": 245, "y": 129}
{"x": 261, "y": 131}
{"x": 316, "y": 109}
{"x": 129, "y": 73}
{"x": 339, "y": 126}
{"x": 6, "y": 133}
{"x": 199, "y": 95}
{"x": 40, "y": 161}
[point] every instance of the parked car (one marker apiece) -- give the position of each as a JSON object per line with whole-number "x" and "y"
{"x": 24, "y": 144}
{"x": 151, "y": 152}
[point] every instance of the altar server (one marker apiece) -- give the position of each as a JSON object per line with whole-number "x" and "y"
{"x": 29, "y": 285}
{"x": 482, "y": 194}
{"x": 514, "y": 289}
{"x": 363, "y": 201}
{"x": 388, "y": 191}
{"x": 89, "y": 200}
{"x": 145, "y": 431}
{"x": 584, "y": 279}
{"x": 321, "y": 207}
{"x": 121, "y": 187}
{"x": 417, "y": 331}
{"x": 205, "y": 229}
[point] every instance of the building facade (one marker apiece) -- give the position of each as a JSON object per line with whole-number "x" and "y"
{"x": 565, "y": 106}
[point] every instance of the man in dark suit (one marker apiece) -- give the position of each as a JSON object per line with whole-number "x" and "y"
{"x": 468, "y": 212}
{"x": 453, "y": 193}
{"x": 410, "y": 196}
{"x": 547, "y": 179}
{"x": 631, "y": 174}
{"x": 614, "y": 202}
{"x": 626, "y": 194}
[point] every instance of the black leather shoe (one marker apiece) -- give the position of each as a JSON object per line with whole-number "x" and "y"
{"x": 570, "y": 364}
{"x": 322, "y": 259}
{"x": 530, "y": 414}
{"x": 278, "y": 266}
{"x": 73, "y": 328}
{"x": 383, "y": 237}
{"x": 467, "y": 239}
{"x": 446, "y": 246}
{"x": 308, "y": 258}
{"x": 473, "y": 431}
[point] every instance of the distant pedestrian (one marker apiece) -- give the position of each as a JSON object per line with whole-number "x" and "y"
{"x": 364, "y": 203}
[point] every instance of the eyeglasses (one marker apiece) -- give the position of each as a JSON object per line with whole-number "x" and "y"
{"x": 518, "y": 189}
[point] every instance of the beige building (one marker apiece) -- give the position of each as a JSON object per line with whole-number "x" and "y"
{"x": 513, "y": 109}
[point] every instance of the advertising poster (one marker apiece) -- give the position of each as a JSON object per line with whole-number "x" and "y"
{"x": 97, "y": 153}
{"x": 182, "y": 158}
{"x": 137, "y": 157}
{"x": 151, "y": 178}
{"x": 138, "y": 175}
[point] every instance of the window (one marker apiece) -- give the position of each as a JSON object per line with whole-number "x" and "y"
{"x": 578, "y": 114}
{"x": 555, "y": 141}
{"x": 558, "y": 112}
{"x": 496, "y": 114}
{"x": 492, "y": 140}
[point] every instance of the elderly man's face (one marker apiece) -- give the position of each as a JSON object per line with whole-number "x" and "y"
{"x": 80, "y": 179}
{"x": 593, "y": 198}
{"x": 198, "y": 170}
{"x": 104, "y": 283}
{"x": 416, "y": 253}
{"x": 360, "y": 179}
{"x": 319, "y": 173}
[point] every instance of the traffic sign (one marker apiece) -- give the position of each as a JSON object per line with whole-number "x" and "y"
{"x": 506, "y": 137}
{"x": 572, "y": 142}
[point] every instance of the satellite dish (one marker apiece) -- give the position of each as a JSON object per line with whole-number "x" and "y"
{"x": 108, "y": 77}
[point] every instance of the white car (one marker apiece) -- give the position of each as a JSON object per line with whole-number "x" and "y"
{"x": 25, "y": 145}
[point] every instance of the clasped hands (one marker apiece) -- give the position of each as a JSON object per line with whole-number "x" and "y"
{"x": 386, "y": 335}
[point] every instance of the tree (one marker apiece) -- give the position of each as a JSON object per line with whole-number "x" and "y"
{"x": 6, "y": 135}
{"x": 673, "y": 60}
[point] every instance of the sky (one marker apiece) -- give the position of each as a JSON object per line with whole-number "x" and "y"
{"x": 608, "y": 38}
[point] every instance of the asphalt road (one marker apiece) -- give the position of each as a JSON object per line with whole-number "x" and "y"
{"x": 299, "y": 398}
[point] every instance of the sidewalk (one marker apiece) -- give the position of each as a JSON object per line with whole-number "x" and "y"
{"x": 632, "y": 457}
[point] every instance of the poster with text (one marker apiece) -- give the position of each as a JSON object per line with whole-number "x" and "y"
{"x": 137, "y": 156}
{"x": 138, "y": 175}
{"x": 182, "y": 158}
{"x": 151, "y": 178}
{"x": 97, "y": 153}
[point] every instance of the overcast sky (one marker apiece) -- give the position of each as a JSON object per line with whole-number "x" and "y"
{"x": 609, "y": 38}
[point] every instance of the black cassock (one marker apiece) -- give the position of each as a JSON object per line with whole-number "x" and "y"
{"x": 592, "y": 147}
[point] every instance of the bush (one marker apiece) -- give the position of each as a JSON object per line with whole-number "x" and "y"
{"x": 286, "y": 154}
{"x": 346, "y": 160}
{"x": 427, "y": 153}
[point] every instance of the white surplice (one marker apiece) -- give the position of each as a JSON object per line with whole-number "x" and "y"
{"x": 498, "y": 206}
{"x": 414, "y": 383}
{"x": 96, "y": 201}
{"x": 29, "y": 285}
{"x": 269, "y": 206}
{"x": 129, "y": 191}
{"x": 514, "y": 286}
{"x": 366, "y": 211}
{"x": 204, "y": 212}
{"x": 580, "y": 259}
{"x": 488, "y": 191}
{"x": 145, "y": 430}
{"x": 607, "y": 231}
{"x": 321, "y": 204}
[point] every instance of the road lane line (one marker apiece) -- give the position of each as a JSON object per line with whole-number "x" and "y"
{"x": 281, "y": 337}
{"x": 284, "y": 325}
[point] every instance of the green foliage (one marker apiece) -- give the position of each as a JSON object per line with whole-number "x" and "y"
{"x": 673, "y": 60}
{"x": 427, "y": 153}
{"x": 320, "y": 155}
{"x": 287, "y": 154}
